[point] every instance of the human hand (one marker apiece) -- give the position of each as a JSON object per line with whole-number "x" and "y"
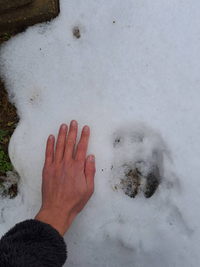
{"x": 68, "y": 182}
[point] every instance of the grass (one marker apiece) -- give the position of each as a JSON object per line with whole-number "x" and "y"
{"x": 6, "y": 36}
{"x": 5, "y": 164}
{"x": 4, "y": 136}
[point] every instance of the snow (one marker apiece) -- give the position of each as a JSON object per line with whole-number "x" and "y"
{"x": 133, "y": 76}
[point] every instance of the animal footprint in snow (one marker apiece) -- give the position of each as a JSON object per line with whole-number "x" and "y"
{"x": 136, "y": 179}
{"x": 138, "y": 159}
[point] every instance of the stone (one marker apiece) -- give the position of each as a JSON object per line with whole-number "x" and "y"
{"x": 37, "y": 11}
{"x": 5, "y": 5}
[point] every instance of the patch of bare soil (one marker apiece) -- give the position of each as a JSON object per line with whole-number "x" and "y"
{"x": 8, "y": 122}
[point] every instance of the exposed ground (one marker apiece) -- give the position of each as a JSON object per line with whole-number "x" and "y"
{"x": 8, "y": 122}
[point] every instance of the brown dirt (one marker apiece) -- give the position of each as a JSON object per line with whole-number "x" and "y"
{"x": 8, "y": 120}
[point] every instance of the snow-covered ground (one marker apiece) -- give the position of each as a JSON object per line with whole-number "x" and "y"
{"x": 133, "y": 77}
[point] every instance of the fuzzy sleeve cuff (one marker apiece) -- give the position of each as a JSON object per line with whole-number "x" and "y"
{"x": 32, "y": 243}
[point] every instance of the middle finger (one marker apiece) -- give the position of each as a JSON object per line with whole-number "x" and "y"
{"x": 60, "y": 144}
{"x": 71, "y": 140}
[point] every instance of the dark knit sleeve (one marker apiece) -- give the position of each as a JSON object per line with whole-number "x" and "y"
{"x": 32, "y": 244}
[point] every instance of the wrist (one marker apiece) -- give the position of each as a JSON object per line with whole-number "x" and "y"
{"x": 55, "y": 220}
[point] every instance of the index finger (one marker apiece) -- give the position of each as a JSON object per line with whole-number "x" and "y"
{"x": 83, "y": 145}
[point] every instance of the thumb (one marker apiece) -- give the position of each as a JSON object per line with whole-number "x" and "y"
{"x": 90, "y": 172}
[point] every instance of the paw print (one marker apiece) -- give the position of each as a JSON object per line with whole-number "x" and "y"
{"x": 138, "y": 162}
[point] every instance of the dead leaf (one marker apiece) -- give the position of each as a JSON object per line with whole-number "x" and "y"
{"x": 10, "y": 123}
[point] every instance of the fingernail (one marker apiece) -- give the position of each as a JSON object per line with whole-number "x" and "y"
{"x": 50, "y": 137}
{"x": 86, "y": 128}
{"x": 73, "y": 123}
{"x": 92, "y": 158}
{"x": 64, "y": 126}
